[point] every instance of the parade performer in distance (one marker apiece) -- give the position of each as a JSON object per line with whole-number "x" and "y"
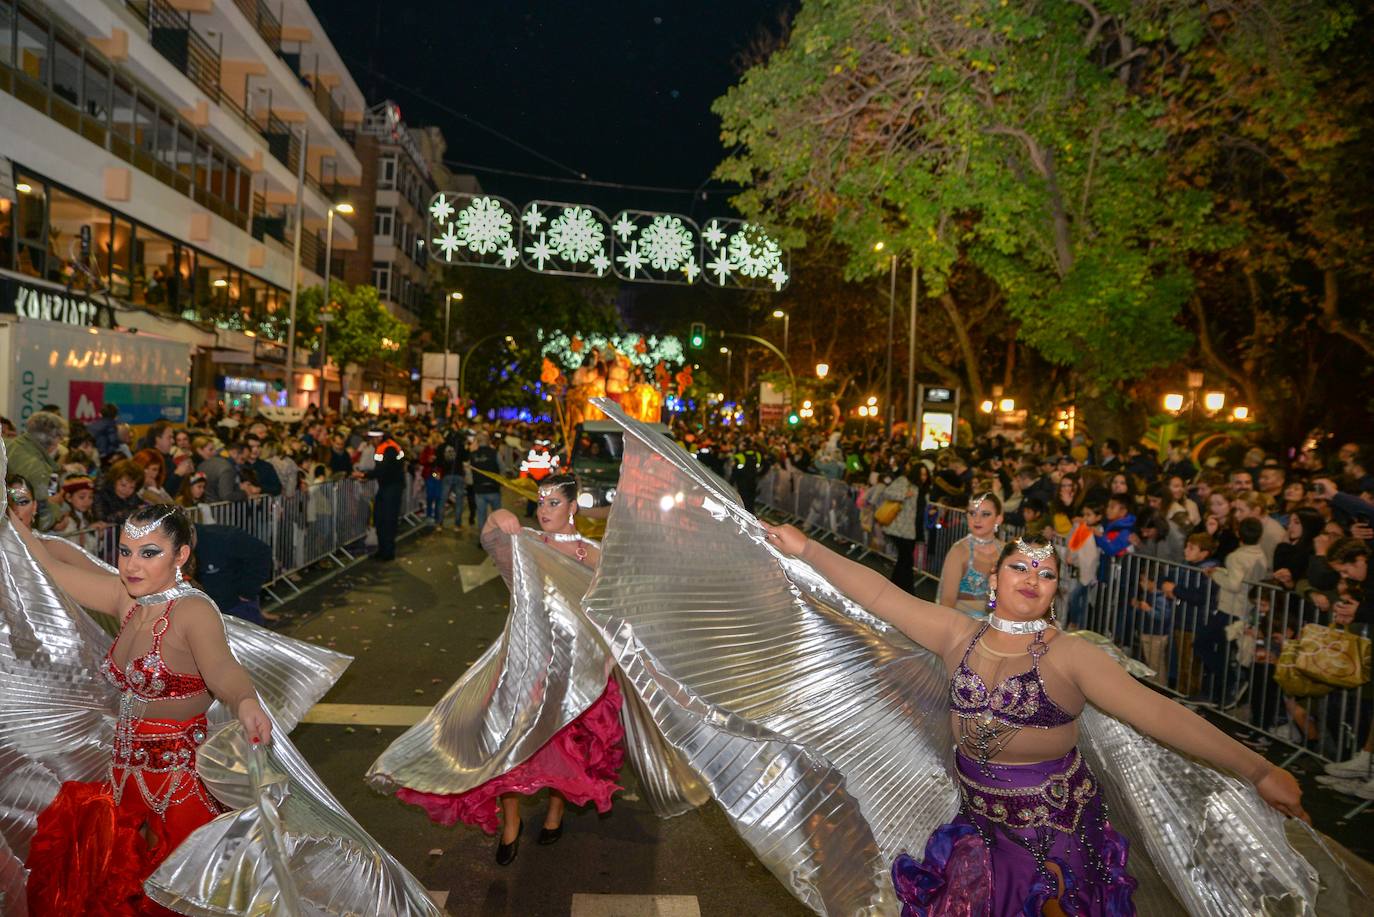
{"x": 97, "y": 842}
{"x": 540, "y": 709}
{"x": 1032, "y": 835}
{"x": 970, "y": 560}
{"x": 540, "y": 462}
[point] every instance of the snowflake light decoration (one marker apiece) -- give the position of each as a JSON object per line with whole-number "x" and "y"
{"x": 632, "y": 259}
{"x": 484, "y": 226}
{"x": 476, "y": 229}
{"x": 576, "y": 235}
{"x": 449, "y": 242}
{"x": 441, "y": 209}
{"x": 539, "y": 251}
{"x": 740, "y": 254}
{"x": 558, "y": 347}
{"x": 753, "y": 253}
{"x": 667, "y": 242}
{"x": 533, "y": 218}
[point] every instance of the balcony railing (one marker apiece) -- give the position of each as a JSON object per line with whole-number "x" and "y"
{"x": 261, "y": 19}
{"x": 324, "y": 101}
{"x": 171, "y": 34}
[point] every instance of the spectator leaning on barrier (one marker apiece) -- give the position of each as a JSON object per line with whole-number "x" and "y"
{"x": 1293, "y": 557}
{"x": 33, "y": 456}
{"x": 262, "y": 469}
{"x": 150, "y": 488}
{"x": 118, "y": 496}
{"x": 1247, "y": 564}
{"x": 903, "y": 529}
{"x": 222, "y": 475}
{"x": 1350, "y": 558}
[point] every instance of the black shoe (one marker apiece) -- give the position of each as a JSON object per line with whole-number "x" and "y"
{"x": 505, "y": 853}
{"x": 549, "y": 836}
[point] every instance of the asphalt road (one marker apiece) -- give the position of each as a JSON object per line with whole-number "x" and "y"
{"x": 412, "y": 631}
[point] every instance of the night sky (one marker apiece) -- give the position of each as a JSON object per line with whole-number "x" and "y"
{"x": 620, "y": 91}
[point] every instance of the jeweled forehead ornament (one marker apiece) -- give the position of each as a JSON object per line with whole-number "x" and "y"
{"x": 976, "y": 502}
{"x": 1038, "y": 553}
{"x": 139, "y": 532}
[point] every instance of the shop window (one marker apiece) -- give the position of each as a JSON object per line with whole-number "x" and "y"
{"x": 77, "y": 231}
{"x": 154, "y": 270}
{"x": 382, "y": 223}
{"x": 32, "y": 50}
{"x": 386, "y": 172}
{"x": 29, "y": 225}
{"x": 6, "y": 228}
{"x": 66, "y": 71}
{"x": 115, "y": 259}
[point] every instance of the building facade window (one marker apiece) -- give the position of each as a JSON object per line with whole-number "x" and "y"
{"x": 386, "y": 171}
{"x": 382, "y": 223}
{"x": 381, "y": 278}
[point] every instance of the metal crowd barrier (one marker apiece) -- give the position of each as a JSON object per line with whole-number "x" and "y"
{"x": 1162, "y": 613}
{"x": 325, "y": 521}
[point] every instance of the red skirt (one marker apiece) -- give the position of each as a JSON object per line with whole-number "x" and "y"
{"x": 91, "y": 855}
{"x": 581, "y": 762}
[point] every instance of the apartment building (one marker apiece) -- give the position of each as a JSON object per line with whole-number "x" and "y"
{"x": 150, "y": 154}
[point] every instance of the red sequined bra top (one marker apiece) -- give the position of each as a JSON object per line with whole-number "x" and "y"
{"x": 147, "y": 676}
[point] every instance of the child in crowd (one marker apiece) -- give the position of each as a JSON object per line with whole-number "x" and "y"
{"x": 1115, "y": 538}
{"x": 1197, "y": 603}
{"x": 1155, "y": 607}
{"x": 1082, "y": 557}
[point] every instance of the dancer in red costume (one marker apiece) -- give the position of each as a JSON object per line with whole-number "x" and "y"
{"x": 581, "y": 762}
{"x": 97, "y": 842}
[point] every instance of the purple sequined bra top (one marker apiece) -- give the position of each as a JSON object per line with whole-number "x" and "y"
{"x": 1018, "y": 700}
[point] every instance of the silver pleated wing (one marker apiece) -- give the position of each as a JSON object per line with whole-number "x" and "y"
{"x": 548, "y": 666}
{"x": 825, "y": 742}
{"x": 289, "y": 847}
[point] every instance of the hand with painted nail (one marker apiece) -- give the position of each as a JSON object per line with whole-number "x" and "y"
{"x": 256, "y": 724}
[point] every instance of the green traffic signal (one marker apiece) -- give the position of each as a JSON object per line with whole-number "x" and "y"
{"x": 697, "y": 339}
{"x": 793, "y": 419}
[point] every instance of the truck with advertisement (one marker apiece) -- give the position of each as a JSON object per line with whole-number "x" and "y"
{"x": 81, "y": 369}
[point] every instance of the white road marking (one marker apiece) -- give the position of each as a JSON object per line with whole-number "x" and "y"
{"x": 635, "y": 906}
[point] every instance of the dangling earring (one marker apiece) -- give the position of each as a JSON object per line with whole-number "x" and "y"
{"x": 992, "y": 600}
{"x": 571, "y": 517}
{"x": 179, "y": 579}
{"x": 1053, "y": 620}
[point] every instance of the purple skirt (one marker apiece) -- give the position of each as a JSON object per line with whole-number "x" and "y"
{"x": 1019, "y": 828}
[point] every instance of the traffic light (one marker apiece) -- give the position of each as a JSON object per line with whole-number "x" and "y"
{"x": 793, "y": 419}
{"x": 697, "y": 339}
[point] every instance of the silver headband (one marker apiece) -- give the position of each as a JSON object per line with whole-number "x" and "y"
{"x": 978, "y": 501}
{"x": 1038, "y": 553}
{"x": 137, "y": 532}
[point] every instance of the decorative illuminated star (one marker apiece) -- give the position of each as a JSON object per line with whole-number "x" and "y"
{"x": 778, "y": 277}
{"x": 691, "y": 270}
{"x": 713, "y": 234}
{"x": 624, "y": 227}
{"x": 721, "y": 267}
{"x": 539, "y": 251}
{"x": 600, "y": 262}
{"x": 632, "y": 260}
{"x": 449, "y": 242}
{"x": 533, "y": 218}
{"x": 510, "y": 254}
{"x": 441, "y": 209}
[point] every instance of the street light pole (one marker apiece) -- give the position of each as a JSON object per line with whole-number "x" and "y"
{"x": 341, "y": 207}
{"x": 448, "y": 300}
{"x": 729, "y": 361}
{"x": 296, "y": 267}
{"x": 887, "y": 384}
{"x": 786, "y": 328}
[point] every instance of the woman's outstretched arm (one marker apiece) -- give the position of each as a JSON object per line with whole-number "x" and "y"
{"x": 936, "y": 628}
{"x": 90, "y": 587}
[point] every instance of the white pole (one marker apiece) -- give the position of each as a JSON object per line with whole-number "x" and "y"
{"x": 296, "y": 268}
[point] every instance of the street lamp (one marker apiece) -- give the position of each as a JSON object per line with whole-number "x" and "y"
{"x": 449, "y": 300}
{"x": 1006, "y": 405}
{"x": 1214, "y": 401}
{"x": 345, "y": 208}
{"x": 986, "y": 406}
{"x": 822, "y": 370}
{"x": 729, "y": 358}
{"x": 786, "y": 326}
{"x": 1240, "y": 412}
{"x": 1173, "y": 402}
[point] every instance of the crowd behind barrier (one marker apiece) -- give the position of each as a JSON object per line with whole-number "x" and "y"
{"x": 1157, "y": 611}
{"x": 325, "y": 521}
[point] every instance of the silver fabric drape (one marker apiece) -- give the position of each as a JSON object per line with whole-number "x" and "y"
{"x": 824, "y": 735}
{"x": 825, "y": 742}
{"x": 548, "y": 666}
{"x": 333, "y": 867}
{"x": 57, "y": 724}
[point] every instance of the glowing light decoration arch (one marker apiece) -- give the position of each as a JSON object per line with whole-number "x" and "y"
{"x": 578, "y": 240}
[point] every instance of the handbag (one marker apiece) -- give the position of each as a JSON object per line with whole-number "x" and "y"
{"x": 1291, "y": 679}
{"x": 1333, "y": 655}
{"x": 886, "y": 514}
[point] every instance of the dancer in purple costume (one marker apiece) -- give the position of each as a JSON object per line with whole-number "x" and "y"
{"x": 1032, "y": 835}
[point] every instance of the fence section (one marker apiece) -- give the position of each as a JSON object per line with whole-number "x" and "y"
{"x": 1166, "y": 614}
{"x": 327, "y": 520}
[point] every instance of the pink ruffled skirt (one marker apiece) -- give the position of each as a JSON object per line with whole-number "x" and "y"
{"x": 581, "y": 762}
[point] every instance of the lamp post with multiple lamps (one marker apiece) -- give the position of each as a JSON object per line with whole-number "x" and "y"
{"x": 1212, "y": 403}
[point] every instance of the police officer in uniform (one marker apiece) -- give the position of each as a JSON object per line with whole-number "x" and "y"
{"x": 748, "y": 468}
{"x": 388, "y": 471}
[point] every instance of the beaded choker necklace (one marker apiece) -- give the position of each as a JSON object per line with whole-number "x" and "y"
{"x": 180, "y": 590}
{"x": 581, "y": 551}
{"x": 981, "y": 542}
{"x": 1018, "y": 627}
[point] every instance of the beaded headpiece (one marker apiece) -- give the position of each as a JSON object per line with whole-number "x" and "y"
{"x": 977, "y": 500}
{"x": 19, "y": 494}
{"x": 1038, "y": 553}
{"x": 137, "y": 532}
